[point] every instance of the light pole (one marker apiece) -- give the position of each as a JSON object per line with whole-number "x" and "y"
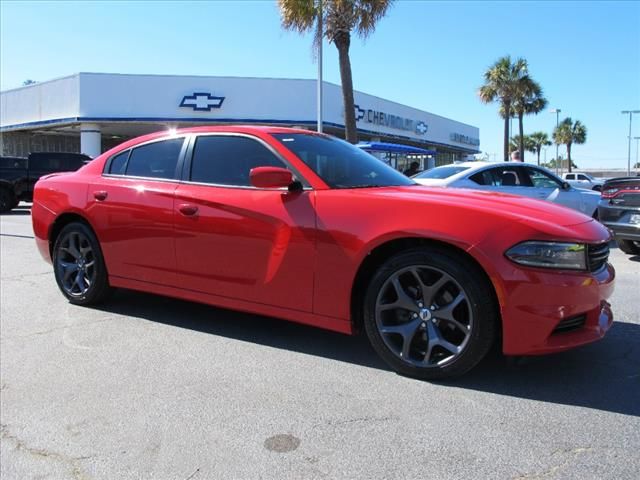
{"x": 557, "y": 112}
{"x": 320, "y": 35}
{"x": 637, "y": 139}
{"x": 630, "y": 112}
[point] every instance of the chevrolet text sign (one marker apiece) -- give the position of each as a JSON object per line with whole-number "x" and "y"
{"x": 389, "y": 120}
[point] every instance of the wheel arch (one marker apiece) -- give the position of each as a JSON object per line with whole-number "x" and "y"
{"x": 62, "y": 221}
{"x": 378, "y": 255}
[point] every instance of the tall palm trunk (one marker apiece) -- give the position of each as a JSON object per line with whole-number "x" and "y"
{"x": 569, "y": 157}
{"x": 342, "y": 41}
{"x": 507, "y": 117}
{"x": 521, "y": 142}
{"x": 538, "y": 151}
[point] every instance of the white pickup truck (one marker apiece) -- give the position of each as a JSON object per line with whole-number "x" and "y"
{"x": 583, "y": 180}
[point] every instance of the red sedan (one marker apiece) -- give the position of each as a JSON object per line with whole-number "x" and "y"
{"x": 306, "y": 227}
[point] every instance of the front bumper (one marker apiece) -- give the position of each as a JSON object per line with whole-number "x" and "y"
{"x": 539, "y": 306}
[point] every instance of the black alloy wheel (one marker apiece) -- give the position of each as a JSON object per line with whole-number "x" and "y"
{"x": 79, "y": 266}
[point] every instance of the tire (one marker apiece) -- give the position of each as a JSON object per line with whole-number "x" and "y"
{"x": 7, "y": 200}
{"x": 79, "y": 266}
{"x": 446, "y": 336}
{"x": 629, "y": 246}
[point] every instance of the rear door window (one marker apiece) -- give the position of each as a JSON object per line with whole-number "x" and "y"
{"x": 118, "y": 164}
{"x": 155, "y": 160}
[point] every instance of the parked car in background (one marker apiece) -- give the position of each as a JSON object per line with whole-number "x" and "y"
{"x": 583, "y": 180}
{"x": 515, "y": 178}
{"x": 18, "y": 175}
{"x": 620, "y": 211}
{"x": 307, "y": 227}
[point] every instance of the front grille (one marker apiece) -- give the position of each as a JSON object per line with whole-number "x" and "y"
{"x": 570, "y": 324}
{"x": 597, "y": 256}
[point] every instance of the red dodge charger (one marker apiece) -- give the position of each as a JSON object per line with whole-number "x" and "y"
{"x": 309, "y": 228}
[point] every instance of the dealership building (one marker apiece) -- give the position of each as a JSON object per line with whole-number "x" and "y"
{"x": 92, "y": 112}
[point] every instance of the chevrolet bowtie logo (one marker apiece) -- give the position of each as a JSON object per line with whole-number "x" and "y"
{"x": 201, "y": 102}
{"x": 421, "y": 128}
{"x": 359, "y": 113}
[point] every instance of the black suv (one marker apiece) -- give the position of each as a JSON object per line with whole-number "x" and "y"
{"x": 619, "y": 209}
{"x": 18, "y": 175}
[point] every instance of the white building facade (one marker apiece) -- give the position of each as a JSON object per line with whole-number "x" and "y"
{"x": 92, "y": 112}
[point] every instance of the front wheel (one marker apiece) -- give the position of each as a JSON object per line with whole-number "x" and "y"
{"x": 629, "y": 246}
{"x": 79, "y": 266}
{"x": 430, "y": 313}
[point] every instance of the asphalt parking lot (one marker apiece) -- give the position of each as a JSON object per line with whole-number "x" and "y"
{"x": 149, "y": 387}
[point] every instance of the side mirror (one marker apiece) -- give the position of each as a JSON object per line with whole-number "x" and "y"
{"x": 566, "y": 186}
{"x": 270, "y": 177}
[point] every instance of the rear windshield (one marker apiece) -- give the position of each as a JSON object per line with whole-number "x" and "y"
{"x": 441, "y": 172}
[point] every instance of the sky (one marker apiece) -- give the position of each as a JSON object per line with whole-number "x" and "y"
{"x": 426, "y": 54}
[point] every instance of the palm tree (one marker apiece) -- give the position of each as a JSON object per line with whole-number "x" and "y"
{"x": 517, "y": 144}
{"x": 340, "y": 18}
{"x": 539, "y": 140}
{"x": 501, "y": 82}
{"x": 529, "y": 99}
{"x": 569, "y": 132}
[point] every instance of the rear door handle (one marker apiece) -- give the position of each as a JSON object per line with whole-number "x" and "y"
{"x": 188, "y": 209}
{"x": 100, "y": 195}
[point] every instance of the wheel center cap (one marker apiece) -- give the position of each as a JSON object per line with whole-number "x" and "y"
{"x": 424, "y": 314}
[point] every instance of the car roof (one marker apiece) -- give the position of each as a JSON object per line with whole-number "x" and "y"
{"x": 244, "y": 128}
{"x": 481, "y": 164}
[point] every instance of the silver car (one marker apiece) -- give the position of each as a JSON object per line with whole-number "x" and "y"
{"x": 515, "y": 178}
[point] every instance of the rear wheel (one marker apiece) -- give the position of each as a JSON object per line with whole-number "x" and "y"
{"x": 430, "y": 314}
{"x": 7, "y": 200}
{"x": 79, "y": 266}
{"x": 629, "y": 246}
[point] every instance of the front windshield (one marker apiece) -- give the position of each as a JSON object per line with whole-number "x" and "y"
{"x": 441, "y": 172}
{"x": 340, "y": 164}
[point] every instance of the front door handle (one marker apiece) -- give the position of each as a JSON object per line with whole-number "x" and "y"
{"x": 188, "y": 209}
{"x": 100, "y": 195}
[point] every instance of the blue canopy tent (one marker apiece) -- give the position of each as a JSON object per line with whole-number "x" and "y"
{"x": 399, "y": 156}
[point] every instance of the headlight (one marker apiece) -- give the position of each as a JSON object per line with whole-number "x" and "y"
{"x": 567, "y": 256}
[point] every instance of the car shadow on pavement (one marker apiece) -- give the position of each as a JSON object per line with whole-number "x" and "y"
{"x": 604, "y": 375}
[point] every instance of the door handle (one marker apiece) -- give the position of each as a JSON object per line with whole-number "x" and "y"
{"x": 187, "y": 209}
{"x": 100, "y": 195}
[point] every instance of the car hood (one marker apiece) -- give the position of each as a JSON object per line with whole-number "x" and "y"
{"x": 512, "y": 207}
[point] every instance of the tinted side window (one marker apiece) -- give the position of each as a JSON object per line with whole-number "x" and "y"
{"x": 541, "y": 179}
{"x": 47, "y": 163}
{"x": 582, "y": 177}
{"x": 12, "y": 163}
{"x": 486, "y": 177}
{"x": 119, "y": 163}
{"x": 570, "y": 176}
{"x": 155, "y": 160}
{"x": 227, "y": 160}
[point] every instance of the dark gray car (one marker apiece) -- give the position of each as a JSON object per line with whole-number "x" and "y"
{"x": 619, "y": 209}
